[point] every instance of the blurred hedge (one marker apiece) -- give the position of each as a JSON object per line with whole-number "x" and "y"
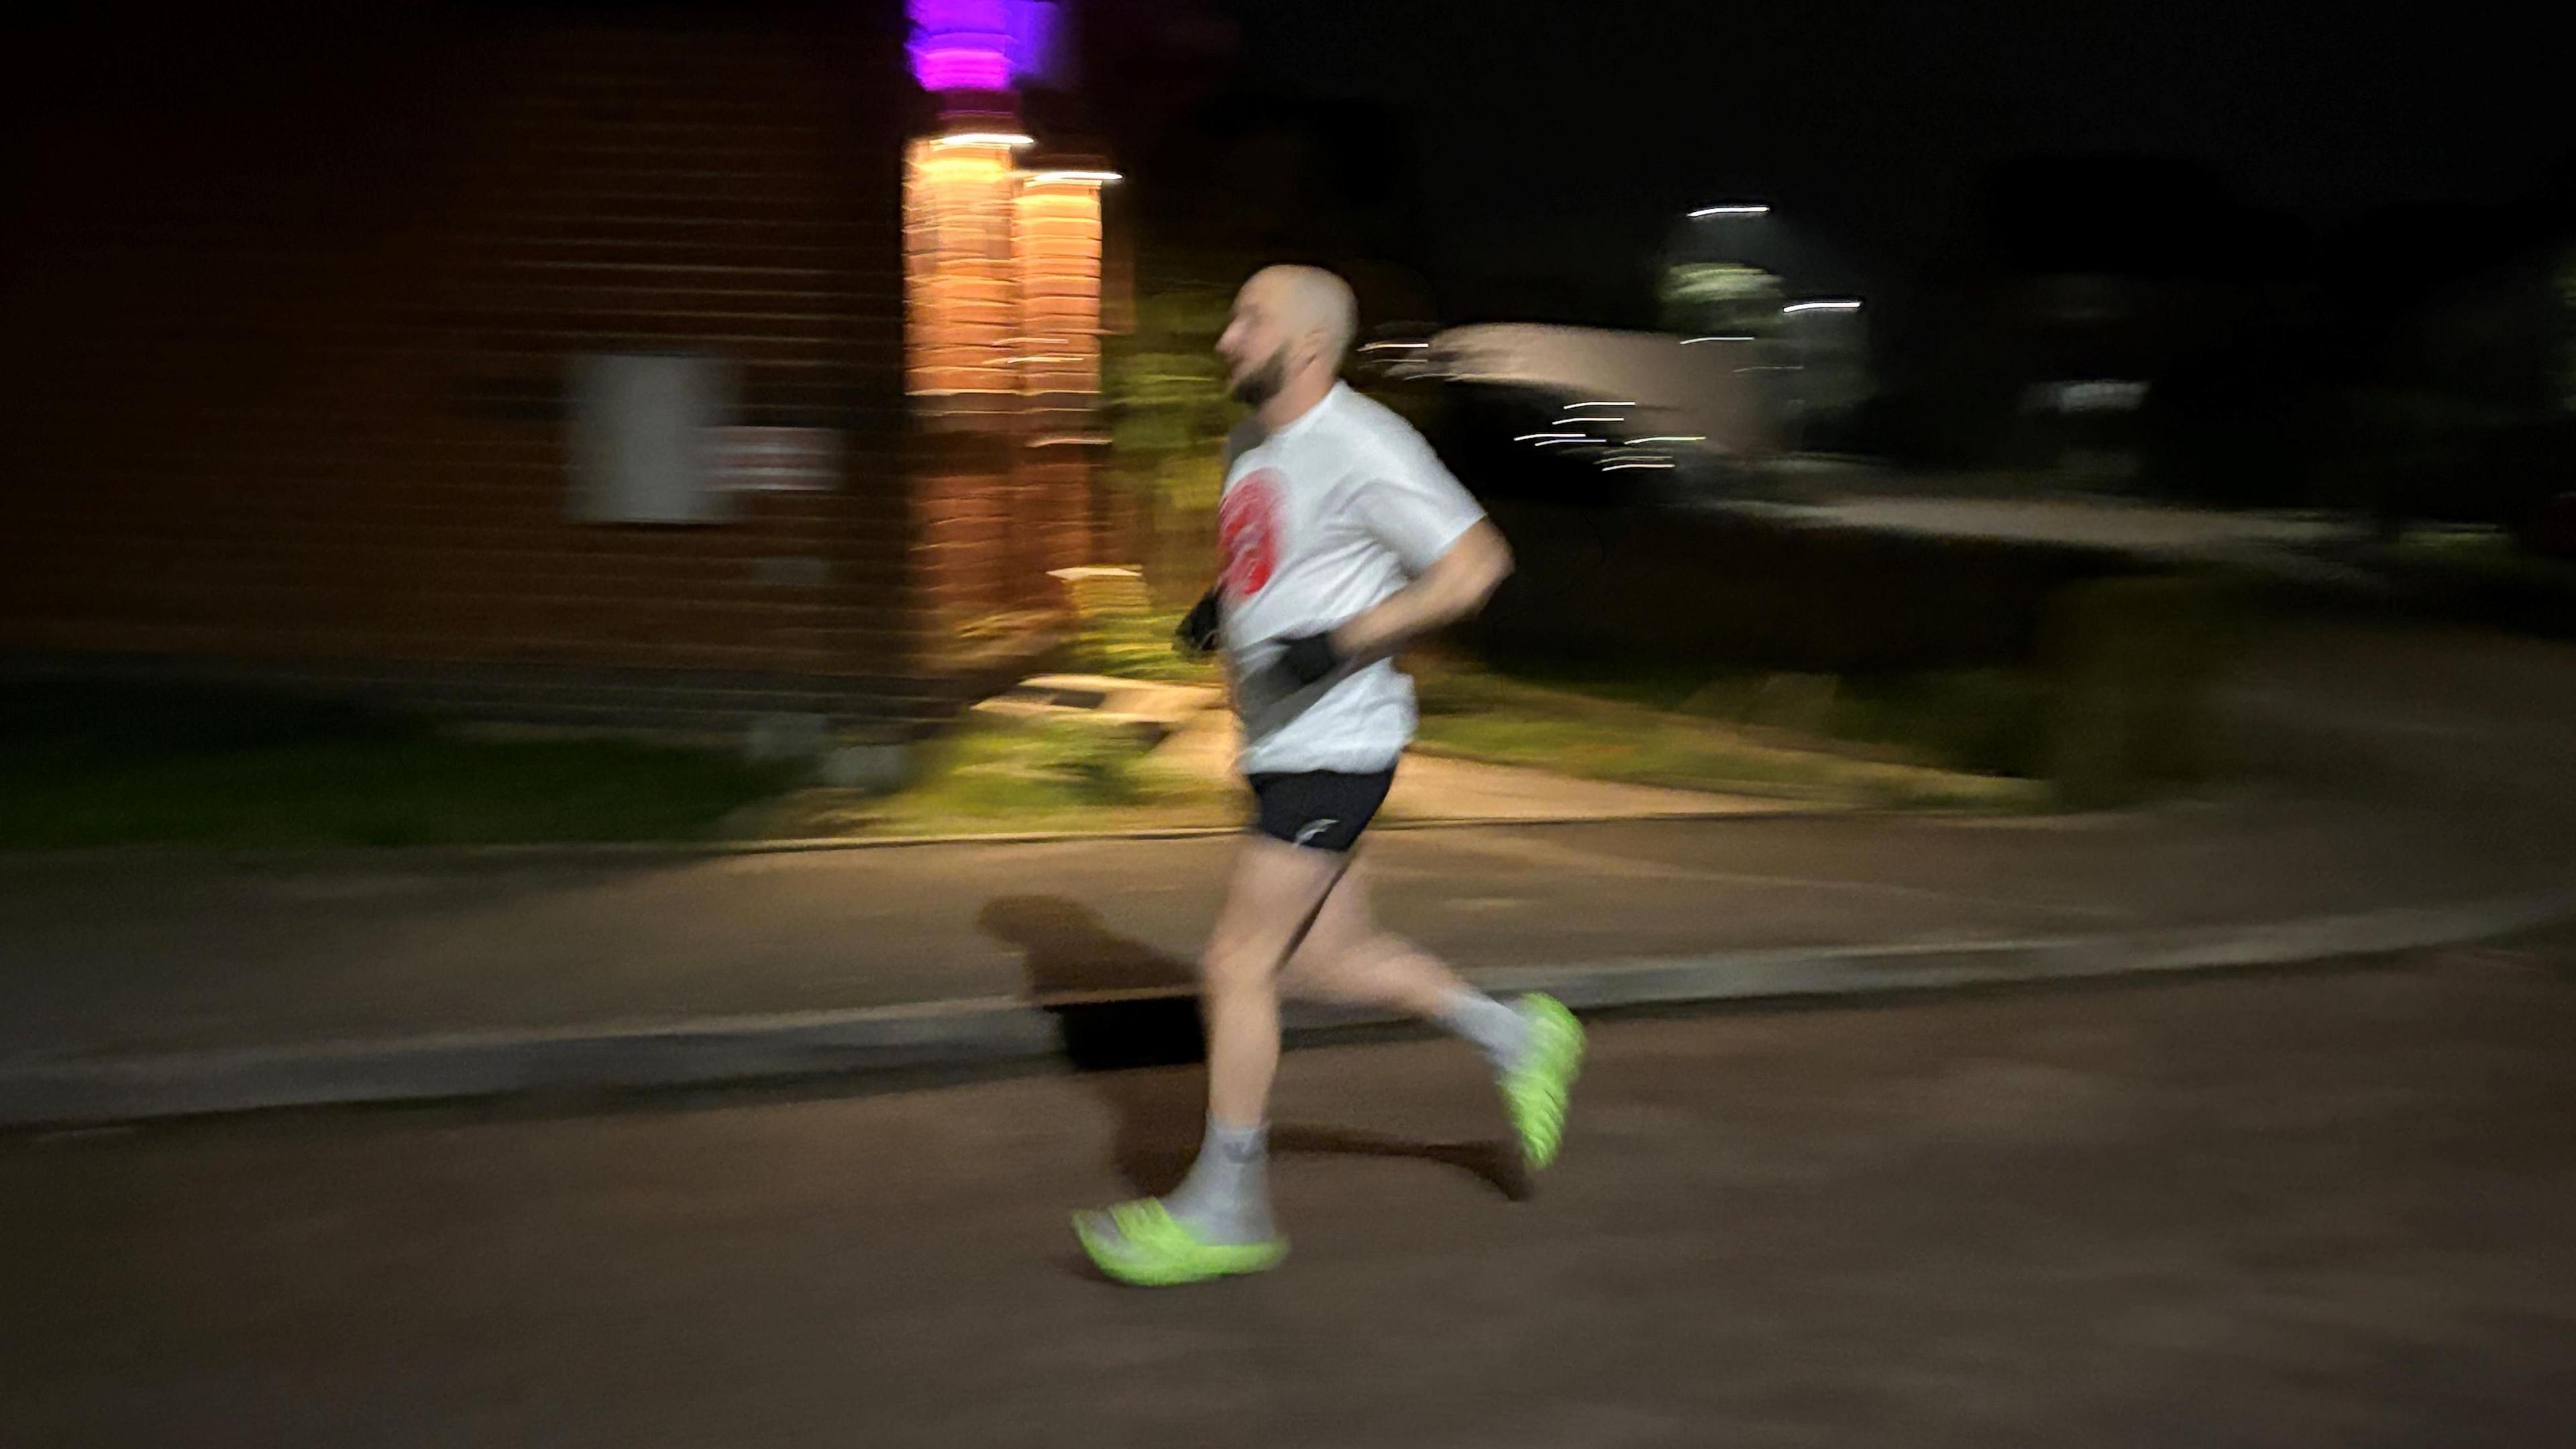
{"x": 2123, "y": 658}
{"x": 2131, "y": 664}
{"x": 1639, "y": 584}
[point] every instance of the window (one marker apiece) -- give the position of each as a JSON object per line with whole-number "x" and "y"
{"x": 646, "y": 445}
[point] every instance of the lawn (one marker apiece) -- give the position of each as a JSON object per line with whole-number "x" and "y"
{"x": 1009, "y": 779}
{"x": 96, "y": 765}
{"x": 2483, "y": 562}
{"x": 1967, "y": 739}
{"x": 87, "y": 765}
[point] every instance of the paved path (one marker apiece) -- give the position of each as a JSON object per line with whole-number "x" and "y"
{"x": 120, "y": 957}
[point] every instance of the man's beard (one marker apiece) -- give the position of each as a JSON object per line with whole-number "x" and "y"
{"x": 1263, "y": 383}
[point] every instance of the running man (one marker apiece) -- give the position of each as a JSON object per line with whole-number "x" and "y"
{"x": 1343, "y": 539}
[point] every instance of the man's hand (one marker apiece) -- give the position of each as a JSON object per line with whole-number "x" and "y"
{"x": 1195, "y": 636}
{"x": 1302, "y": 662}
{"x": 1307, "y": 658}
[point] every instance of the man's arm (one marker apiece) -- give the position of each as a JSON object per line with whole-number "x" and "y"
{"x": 1454, "y": 587}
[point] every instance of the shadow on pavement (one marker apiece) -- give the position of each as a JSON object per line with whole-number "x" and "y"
{"x": 1072, "y": 959}
{"x": 1150, "y": 1018}
{"x": 1493, "y": 1163}
{"x": 1151, "y": 1015}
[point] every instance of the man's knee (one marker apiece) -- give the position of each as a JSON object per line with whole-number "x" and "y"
{"x": 1235, "y": 963}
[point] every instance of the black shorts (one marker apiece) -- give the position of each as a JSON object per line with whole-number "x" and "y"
{"x": 1318, "y": 809}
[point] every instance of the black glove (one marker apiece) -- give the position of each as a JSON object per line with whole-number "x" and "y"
{"x": 1306, "y": 658}
{"x": 1195, "y": 636}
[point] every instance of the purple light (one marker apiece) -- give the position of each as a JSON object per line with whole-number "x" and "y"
{"x": 981, "y": 45}
{"x": 958, "y": 68}
{"x": 1037, "y": 51}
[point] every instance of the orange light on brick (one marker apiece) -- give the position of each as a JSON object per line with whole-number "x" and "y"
{"x": 1056, "y": 235}
{"x": 961, "y": 284}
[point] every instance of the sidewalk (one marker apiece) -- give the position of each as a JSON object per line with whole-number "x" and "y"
{"x": 143, "y": 989}
{"x": 147, "y": 986}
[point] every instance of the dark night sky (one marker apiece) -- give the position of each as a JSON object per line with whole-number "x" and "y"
{"x": 1541, "y": 127}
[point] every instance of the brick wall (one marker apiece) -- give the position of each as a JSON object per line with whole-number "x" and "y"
{"x": 992, "y": 516}
{"x": 286, "y": 384}
{"x": 963, "y": 528}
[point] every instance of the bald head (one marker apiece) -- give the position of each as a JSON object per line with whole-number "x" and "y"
{"x": 1290, "y": 328}
{"x": 1314, "y": 301}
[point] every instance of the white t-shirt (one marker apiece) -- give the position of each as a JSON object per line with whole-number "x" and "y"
{"x": 1321, "y": 521}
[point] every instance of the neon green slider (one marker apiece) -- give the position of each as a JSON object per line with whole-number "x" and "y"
{"x": 1537, "y": 1091}
{"x": 1140, "y": 1242}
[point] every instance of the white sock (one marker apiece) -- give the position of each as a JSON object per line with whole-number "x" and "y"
{"x": 1497, "y": 1030}
{"x": 1226, "y": 1197}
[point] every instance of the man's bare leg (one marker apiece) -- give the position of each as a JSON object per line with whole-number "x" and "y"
{"x": 1348, "y": 958}
{"x": 1299, "y": 917}
{"x": 1218, "y": 1220}
{"x": 1269, "y": 904}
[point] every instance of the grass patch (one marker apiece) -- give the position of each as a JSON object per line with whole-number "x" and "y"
{"x": 1748, "y": 734}
{"x": 1966, "y": 739}
{"x": 91, "y": 765}
{"x": 2480, "y": 576}
{"x": 103, "y": 765}
{"x": 1121, "y": 632}
{"x": 2479, "y": 556}
{"x": 1978, "y": 721}
{"x": 1007, "y": 778}
{"x": 1954, "y": 738}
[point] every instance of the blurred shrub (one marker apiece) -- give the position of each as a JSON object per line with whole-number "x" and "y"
{"x": 1165, "y": 396}
{"x": 2240, "y": 427}
{"x": 1642, "y": 587}
{"x": 134, "y": 717}
{"x": 2131, "y": 663}
{"x": 1990, "y": 721}
{"x": 1096, "y": 764}
{"x": 2017, "y": 659}
{"x": 1123, "y": 631}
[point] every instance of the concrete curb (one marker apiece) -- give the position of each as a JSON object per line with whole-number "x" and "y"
{"x": 718, "y": 1050}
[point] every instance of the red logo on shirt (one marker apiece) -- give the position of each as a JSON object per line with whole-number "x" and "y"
{"x": 1247, "y": 533}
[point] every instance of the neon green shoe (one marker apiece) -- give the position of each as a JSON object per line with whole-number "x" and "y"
{"x": 1141, "y": 1243}
{"x": 1538, "y": 1089}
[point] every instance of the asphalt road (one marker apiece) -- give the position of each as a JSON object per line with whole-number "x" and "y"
{"x": 2322, "y": 1208}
